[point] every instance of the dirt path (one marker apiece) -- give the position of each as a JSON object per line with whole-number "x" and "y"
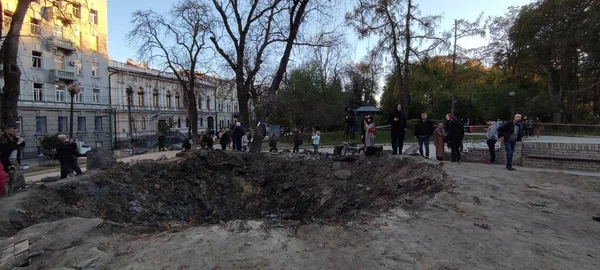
{"x": 490, "y": 219}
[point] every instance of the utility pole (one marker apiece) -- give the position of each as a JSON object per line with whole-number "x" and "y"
{"x": 129, "y": 91}
{"x": 73, "y": 89}
{"x": 454, "y": 66}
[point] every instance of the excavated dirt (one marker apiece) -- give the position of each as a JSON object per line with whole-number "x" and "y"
{"x": 210, "y": 187}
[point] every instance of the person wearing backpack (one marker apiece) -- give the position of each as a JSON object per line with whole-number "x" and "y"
{"x": 297, "y": 140}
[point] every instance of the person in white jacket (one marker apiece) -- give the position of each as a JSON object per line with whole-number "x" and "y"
{"x": 245, "y": 143}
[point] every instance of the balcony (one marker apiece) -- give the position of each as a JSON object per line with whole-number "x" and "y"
{"x": 62, "y": 43}
{"x": 56, "y": 74}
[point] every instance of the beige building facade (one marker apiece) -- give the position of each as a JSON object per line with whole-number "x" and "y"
{"x": 63, "y": 43}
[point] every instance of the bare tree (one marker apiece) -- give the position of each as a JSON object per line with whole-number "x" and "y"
{"x": 176, "y": 42}
{"x": 402, "y": 31}
{"x": 462, "y": 29}
{"x": 12, "y": 73}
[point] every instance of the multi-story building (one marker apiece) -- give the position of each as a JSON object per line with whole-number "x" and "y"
{"x": 63, "y": 43}
{"x": 156, "y": 100}
{"x": 217, "y": 104}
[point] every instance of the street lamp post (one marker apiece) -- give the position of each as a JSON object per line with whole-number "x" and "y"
{"x": 73, "y": 89}
{"x": 129, "y": 92}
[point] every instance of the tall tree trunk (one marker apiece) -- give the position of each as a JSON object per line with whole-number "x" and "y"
{"x": 243, "y": 94}
{"x": 296, "y": 20}
{"x": 192, "y": 111}
{"x": 9, "y": 98}
{"x": 407, "y": 37}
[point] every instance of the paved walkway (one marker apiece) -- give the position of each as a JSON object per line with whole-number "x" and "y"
{"x": 56, "y": 172}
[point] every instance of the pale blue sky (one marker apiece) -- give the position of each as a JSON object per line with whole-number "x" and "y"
{"x": 119, "y": 12}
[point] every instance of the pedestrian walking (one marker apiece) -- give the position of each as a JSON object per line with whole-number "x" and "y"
{"x": 439, "y": 136}
{"x": 10, "y": 144}
{"x": 528, "y": 126}
{"x": 510, "y": 133}
{"x": 455, "y": 133}
{"x": 66, "y": 150}
{"x": 423, "y": 131}
{"x": 316, "y": 139}
{"x": 297, "y": 140}
{"x": 397, "y": 121}
{"x": 223, "y": 139}
{"x": 492, "y": 138}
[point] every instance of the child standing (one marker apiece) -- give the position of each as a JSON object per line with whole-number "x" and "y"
{"x": 438, "y": 140}
{"x": 316, "y": 137}
{"x": 297, "y": 140}
{"x": 273, "y": 144}
{"x": 370, "y": 132}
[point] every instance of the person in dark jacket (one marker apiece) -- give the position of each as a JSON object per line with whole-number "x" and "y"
{"x": 67, "y": 156}
{"x": 455, "y": 133}
{"x": 397, "y": 121}
{"x": 423, "y": 130}
{"x": 161, "y": 143}
{"x": 238, "y": 133}
{"x": 351, "y": 123}
{"x": 186, "y": 144}
{"x": 297, "y": 140}
{"x": 208, "y": 139}
{"x": 224, "y": 139}
{"x": 9, "y": 142}
{"x": 510, "y": 133}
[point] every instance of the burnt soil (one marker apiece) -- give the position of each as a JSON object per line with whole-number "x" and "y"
{"x": 211, "y": 186}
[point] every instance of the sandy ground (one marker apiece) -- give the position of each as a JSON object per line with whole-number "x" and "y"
{"x": 490, "y": 219}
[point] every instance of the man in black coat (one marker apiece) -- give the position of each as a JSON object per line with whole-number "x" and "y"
{"x": 9, "y": 142}
{"x": 397, "y": 121}
{"x": 510, "y": 133}
{"x": 423, "y": 130}
{"x": 66, "y": 151}
{"x": 455, "y": 133}
{"x": 351, "y": 123}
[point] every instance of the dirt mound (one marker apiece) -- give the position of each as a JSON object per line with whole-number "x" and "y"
{"x": 209, "y": 187}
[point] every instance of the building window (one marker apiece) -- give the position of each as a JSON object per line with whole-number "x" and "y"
{"x": 34, "y": 26}
{"x": 59, "y": 61}
{"x": 235, "y": 108}
{"x": 95, "y": 70}
{"x": 168, "y": 99}
{"x": 62, "y": 124}
{"x": 7, "y": 19}
{"x": 178, "y": 122}
{"x": 208, "y": 103}
{"x": 94, "y": 16}
{"x": 79, "y": 97}
{"x": 171, "y": 124}
{"x": 19, "y": 124}
{"x": 140, "y": 97}
{"x": 60, "y": 93}
{"x": 38, "y": 91}
{"x": 40, "y": 124}
{"x": 177, "y": 101}
{"x": 37, "y": 59}
{"x": 96, "y": 96}
{"x": 94, "y": 43}
{"x": 98, "y": 123}
{"x": 187, "y": 122}
{"x": 201, "y": 121}
{"x": 77, "y": 11}
{"x": 78, "y": 67}
{"x": 155, "y": 97}
{"x": 81, "y": 124}
{"x": 132, "y": 124}
{"x": 200, "y": 103}
{"x": 58, "y": 29}
{"x": 143, "y": 124}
